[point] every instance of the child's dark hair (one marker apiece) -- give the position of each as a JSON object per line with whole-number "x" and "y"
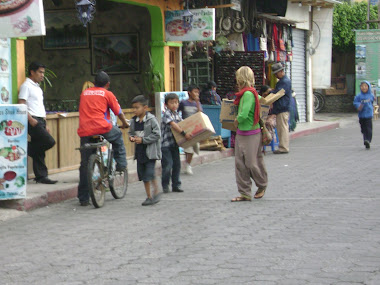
{"x": 35, "y": 66}
{"x": 264, "y": 89}
{"x": 170, "y": 96}
{"x": 211, "y": 84}
{"x": 140, "y": 99}
{"x": 192, "y": 87}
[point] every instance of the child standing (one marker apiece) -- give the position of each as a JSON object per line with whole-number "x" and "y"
{"x": 363, "y": 102}
{"x": 145, "y": 132}
{"x": 190, "y": 107}
{"x": 171, "y": 163}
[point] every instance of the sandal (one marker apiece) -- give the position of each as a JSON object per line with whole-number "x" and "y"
{"x": 260, "y": 193}
{"x": 240, "y": 199}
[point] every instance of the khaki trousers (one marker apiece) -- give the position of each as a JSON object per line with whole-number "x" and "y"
{"x": 282, "y": 125}
{"x": 249, "y": 163}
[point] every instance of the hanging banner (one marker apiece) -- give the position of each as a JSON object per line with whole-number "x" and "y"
{"x": 5, "y": 71}
{"x": 367, "y": 59}
{"x": 198, "y": 27}
{"x": 21, "y": 18}
{"x": 13, "y": 151}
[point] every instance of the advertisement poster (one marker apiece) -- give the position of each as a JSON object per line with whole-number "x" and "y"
{"x": 160, "y": 101}
{"x": 13, "y": 151}
{"x": 367, "y": 59}
{"x": 199, "y": 27}
{"x": 21, "y": 18}
{"x": 5, "y": 71}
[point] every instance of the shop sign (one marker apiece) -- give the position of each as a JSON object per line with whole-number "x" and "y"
{"x": 367, "y": 59}
{"x": 22, "y": 18}
{"x": 199, "y": 27}
{"x": 13, "y": 151}
{"x": 5, "y": 71}
{"x": 236, "y": 5}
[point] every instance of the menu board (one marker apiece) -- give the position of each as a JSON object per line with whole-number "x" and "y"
{"x": 5, "y": 71}
{"x": 13, "y": 151}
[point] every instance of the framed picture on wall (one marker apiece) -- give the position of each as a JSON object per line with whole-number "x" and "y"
{"x": 64, "y": 31}
{"x": 115, "y": 53}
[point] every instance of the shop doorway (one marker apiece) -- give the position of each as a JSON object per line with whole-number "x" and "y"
{"x": 174, "y": 61}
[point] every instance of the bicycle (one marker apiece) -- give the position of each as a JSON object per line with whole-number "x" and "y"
{"x": 102, "y": 174}
{"x": 319, "y": 101}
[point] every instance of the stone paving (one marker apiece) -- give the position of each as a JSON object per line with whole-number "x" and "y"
{"x": 319, "y": 223}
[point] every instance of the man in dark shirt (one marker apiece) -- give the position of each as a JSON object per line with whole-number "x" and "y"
{"x": 281, "y": 108}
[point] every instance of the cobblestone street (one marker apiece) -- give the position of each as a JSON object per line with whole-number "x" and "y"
{"x": 319, "y": 223}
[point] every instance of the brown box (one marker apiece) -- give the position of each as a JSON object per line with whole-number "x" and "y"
{"x": 272, "y": 97}
{"x": 199, "y": 125}
{"x": 229, "y": 112}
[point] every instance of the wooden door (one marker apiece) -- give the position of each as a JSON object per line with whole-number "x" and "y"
{"x": 174, "y": 69}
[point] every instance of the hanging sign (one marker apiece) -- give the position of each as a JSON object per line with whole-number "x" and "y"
{"x": 5, "y": 71}
{"x": 367, "y": 59}
{"x": 182, "y": 26}
{"x": 21, "y": 18}
{"x": 13, "y": 151}
{"x": 236, "y": 5}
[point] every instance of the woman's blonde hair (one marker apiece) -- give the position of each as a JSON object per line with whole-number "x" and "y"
{"x": 87, "y": 84}
{"x": 245, "y": 77}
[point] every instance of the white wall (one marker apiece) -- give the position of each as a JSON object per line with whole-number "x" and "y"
{"x": 298, "y": 14}
{"x": 321, "y": 59}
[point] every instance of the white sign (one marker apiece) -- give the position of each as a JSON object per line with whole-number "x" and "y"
{"x": 199, "y": 27}
{"x": 22, "y": 18}
{"x": 236, "y": 5}
{"x": 13, "y": 151}
{"x": 5, "y": 71}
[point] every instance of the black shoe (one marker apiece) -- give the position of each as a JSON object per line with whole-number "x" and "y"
{"x": 120, "y": 169}
{"x": 367, "y": 145}
{"x": 177, "y": 190}
{"x": 84, "y": 203}
{"x": 45, "y": 180}
{"x": 165, "y": 189}
{"x": 148, "y": 202}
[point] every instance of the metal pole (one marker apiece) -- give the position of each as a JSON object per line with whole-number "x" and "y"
{"x": 368, "y": 9}
{"x": 378, "y": 14}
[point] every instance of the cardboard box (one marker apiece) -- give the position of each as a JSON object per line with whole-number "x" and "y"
{"x": 199, "y": 125}
{"x": 272, "y": 97}
{"x": 229, "y": 112}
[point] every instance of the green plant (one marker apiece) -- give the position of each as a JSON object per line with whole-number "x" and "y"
{"x": 346, "y": 19}
{"x": 49, "y": 75}
{"x": 153, "y": 79}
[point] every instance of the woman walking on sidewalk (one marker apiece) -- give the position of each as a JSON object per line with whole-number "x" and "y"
{"x": 249, "y": 161}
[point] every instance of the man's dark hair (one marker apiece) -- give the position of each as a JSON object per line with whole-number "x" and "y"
{"x": 35, "y": 66}
{"x": 264, "y": 89}
{"x": 101, "y": 79}
{"x": 211, "y": 84}
{"x": 140, "y": 99}
{"x": 192, "y": 87}
{"x": 170, "y": 96}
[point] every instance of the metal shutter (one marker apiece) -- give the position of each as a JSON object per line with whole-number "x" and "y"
{"x": 298, "y": 73}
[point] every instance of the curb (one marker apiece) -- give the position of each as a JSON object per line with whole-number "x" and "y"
{"x": 70, "y": 192}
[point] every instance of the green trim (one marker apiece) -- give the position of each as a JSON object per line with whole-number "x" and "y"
{"x": 157, "y": 34}
{"x": 14, "y": 71}
{"x": 174, "y": 44}
{"x": 163, "y": 44}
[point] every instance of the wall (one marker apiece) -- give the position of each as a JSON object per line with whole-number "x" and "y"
{"x": 73, "y": 66}
{"x": 298, "y": 14}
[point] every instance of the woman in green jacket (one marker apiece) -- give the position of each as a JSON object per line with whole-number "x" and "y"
{"x": 249, "y": 161}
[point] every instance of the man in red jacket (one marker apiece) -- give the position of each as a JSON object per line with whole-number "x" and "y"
{"x": 94, "y": 119}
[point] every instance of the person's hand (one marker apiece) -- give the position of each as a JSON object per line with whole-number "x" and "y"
{"x": 138, "y": 140}
{"x": 132, "y": 139}
{"x": 188, "y": 136}
{"x": 125, "y": 125}
{"x": 236, "y": 123}
{"x": 33, "y": 122}
{"x": 361, "y": 107}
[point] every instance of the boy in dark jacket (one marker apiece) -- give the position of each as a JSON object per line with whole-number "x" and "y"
{"x": 145, "y": 132}
{"x": 363, "y": 102}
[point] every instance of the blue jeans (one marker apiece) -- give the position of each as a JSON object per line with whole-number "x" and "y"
{"x": 171, "y": 167}
{"x": 115, "y": 137}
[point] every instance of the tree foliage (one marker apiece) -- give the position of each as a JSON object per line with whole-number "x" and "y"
{"x": 346, "y": 19}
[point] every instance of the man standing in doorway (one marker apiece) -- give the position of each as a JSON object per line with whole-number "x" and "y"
{"x": 41, "y": 140}
{"x": 281, "y": 108}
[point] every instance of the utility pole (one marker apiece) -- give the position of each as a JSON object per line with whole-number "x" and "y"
{"x": 368, "y": 12}
{"x": 378, "y": 14}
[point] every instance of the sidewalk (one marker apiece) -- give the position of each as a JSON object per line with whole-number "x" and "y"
{"x": 40, "y": 195}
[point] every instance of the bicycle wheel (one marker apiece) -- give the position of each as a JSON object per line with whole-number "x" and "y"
{"x": 96, "y": 186}
{"x": 319, "y": 102}
{"x": 118, "y": 183}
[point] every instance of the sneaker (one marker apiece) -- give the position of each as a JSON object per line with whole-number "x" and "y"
{"x": 120, "y": 168}
{"x": 157, "y": 197}
{"x": 148, "y": 202}
{"x": 84, "y": 203}
{"x": 367, "y": 145}
{"x": 165, "y": 189}
{"x": 177, "y": 190}
{"x": 188, "y": 169}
